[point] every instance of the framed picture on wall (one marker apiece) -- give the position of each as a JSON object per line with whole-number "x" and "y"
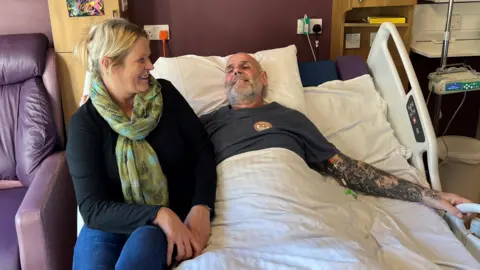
{"x": 82, "y": 8}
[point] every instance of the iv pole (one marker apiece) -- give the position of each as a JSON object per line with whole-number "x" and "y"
{"x": 454, "y": 68}
{"x": 442, "y": 69}
{"x": 446, "y": 38}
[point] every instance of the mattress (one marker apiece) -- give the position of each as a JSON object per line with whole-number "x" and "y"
{"x": 274, "y": 212}
{"x": 429, "y": 231}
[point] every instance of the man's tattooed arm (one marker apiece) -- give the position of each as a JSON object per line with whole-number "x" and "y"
{"x": 363, "y": 177}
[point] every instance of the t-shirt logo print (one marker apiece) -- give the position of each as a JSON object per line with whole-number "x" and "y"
{"x": 262, "y": 125}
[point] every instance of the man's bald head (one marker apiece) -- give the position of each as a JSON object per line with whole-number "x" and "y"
{"x": 245, "y": 81}
{"x": 245, "y": 57}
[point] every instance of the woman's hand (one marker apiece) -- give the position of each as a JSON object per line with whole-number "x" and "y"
{"x": 198, "y": 221}
{"x": 177, "y": 234}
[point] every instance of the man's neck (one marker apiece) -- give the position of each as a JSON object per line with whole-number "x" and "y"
{"x": 250, "y": 105}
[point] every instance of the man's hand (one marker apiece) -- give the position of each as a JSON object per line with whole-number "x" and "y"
{"x": 177, "y": 234}
{"x": 363, "y": 177}
{"x": 198, "y": 221}
{"x": 444, "y": 201}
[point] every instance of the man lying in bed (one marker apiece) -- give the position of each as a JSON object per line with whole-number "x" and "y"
{"x": 248, "y": 124}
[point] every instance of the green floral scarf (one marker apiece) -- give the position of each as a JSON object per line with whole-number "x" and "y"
{"x": 143, "y": 181}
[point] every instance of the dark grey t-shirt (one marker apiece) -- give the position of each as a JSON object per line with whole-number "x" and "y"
{"x": 237, "y": 131}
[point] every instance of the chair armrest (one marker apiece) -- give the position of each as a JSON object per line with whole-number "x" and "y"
{"x": 46, "y": 219}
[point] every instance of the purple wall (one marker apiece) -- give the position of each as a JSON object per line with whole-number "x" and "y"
{"x": 25, "y": 16}
{"x": 222, "y": 27}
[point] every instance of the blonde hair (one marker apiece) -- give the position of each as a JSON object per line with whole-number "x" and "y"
{"x": 112, "y": 38}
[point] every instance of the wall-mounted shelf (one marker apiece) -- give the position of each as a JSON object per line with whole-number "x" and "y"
{"x": 373, "y": 25}
{"x": 348, "y": 17}
{"x": 446, "y": 1}
{"x": 461, "y": 48}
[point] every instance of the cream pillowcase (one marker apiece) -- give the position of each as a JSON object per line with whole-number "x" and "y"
{"x": 200, "y": 79}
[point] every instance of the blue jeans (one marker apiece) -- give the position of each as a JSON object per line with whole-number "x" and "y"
{"x": 145, "y": 248}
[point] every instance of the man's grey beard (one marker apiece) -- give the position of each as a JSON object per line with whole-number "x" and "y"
{"x": 246, "y": 95}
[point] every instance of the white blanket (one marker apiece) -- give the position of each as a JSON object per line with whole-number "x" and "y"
{"x": 274, "y": 212}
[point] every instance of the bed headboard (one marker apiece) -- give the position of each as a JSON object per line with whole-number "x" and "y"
{"x": 219, "y": 27}
{"x": 25, "y": 16}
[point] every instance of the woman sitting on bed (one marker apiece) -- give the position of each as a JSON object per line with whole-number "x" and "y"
{"x": 140, "y": 160}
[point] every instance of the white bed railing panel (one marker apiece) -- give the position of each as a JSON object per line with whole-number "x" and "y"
{"x": 388, "y": 84}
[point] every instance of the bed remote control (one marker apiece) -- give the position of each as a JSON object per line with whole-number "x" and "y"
{"x": 475, "y": 227}
{"x": 415, "y": 120}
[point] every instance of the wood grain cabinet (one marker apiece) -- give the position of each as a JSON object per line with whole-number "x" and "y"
{"x": 349, "y": 17}
{"x": 67, "y": 32}
{"x": 381, "y": 3}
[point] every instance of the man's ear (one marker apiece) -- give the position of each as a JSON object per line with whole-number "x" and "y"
{"x": 264, "y": 78}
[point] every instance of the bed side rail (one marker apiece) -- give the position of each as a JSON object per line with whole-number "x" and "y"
{"x": 403, "y": 106}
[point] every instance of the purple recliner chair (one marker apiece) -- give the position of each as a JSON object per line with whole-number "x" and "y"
{"x": 37, "y": 200}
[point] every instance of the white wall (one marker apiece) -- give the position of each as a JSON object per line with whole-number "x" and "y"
{"x": 429, "y": 21}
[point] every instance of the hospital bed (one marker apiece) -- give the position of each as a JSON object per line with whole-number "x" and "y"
{"x": 409, "y": 119}
{"x": 407, "y": 115}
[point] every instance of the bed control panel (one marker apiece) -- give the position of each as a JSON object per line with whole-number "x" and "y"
{"x": 415, "y": 120}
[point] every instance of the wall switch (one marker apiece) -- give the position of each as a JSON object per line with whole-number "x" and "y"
{"x": 153, "y": 31}
{"x": 124, "y": 4}
{"x": 300, "y": 26}
{"x": 352, "y": 41}
{"x": 372, "y": 37}
{"x": 456, "y": 21}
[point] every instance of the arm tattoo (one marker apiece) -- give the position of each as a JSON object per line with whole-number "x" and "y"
{"x": 363, "y": 177}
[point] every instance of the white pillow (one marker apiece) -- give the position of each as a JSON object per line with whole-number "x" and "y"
{"x": 201, "y": 79}
{"x": 353, "y": 116}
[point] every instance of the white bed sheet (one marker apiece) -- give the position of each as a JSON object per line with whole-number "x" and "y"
{"x": 274, "y": 212}
{"x": 353, "y": 116}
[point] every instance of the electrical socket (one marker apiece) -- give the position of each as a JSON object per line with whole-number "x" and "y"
{"x": 312, "y": 23}
{"x": 153, "y": 31}
{"x": 456, "y": 21}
